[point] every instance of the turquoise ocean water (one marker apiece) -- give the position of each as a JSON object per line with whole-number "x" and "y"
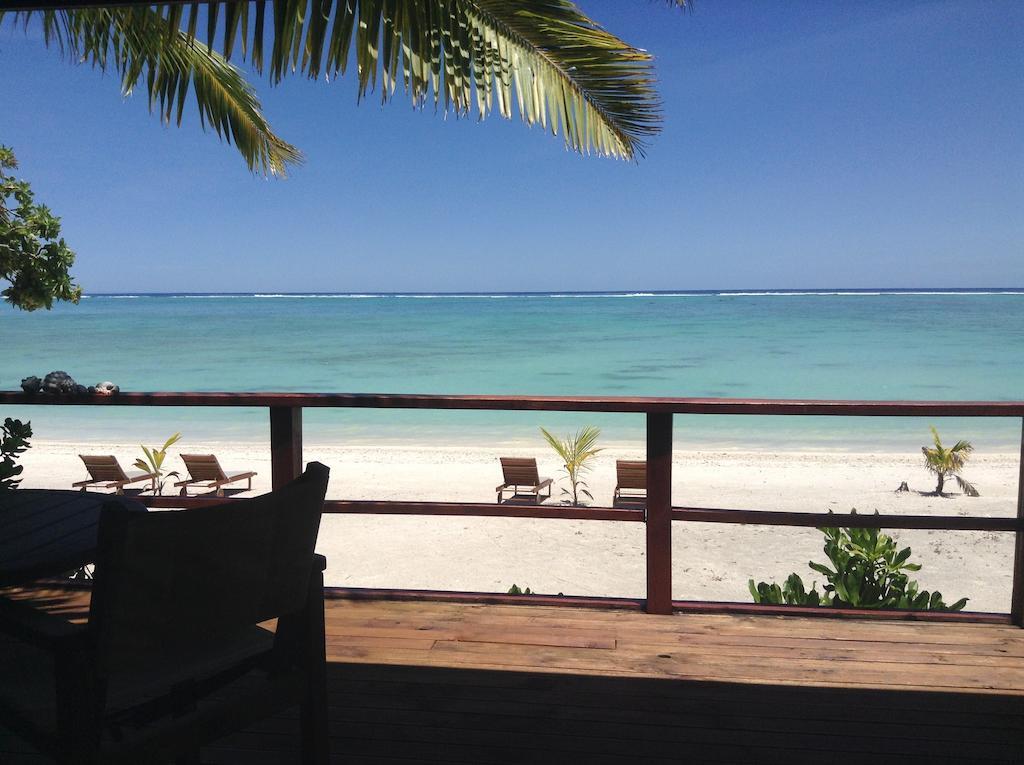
{"x": 910, "y": 344}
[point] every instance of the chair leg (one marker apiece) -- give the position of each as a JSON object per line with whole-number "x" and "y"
{"x": 315, "y": 737}
{"x": 79, "y": 701}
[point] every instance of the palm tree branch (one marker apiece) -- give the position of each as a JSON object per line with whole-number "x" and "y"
{"x": 137, "y": 41}
{"x": 966, "y": 487}
{"x": 566, "y": 73}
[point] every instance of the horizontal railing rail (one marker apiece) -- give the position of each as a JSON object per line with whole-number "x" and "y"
{"x": 621, "y": 404}
{"x": 657, "y": 513}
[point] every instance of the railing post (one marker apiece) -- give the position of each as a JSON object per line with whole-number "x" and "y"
{"x": 285, "y": 444}
{"x": 659, "y": 513}
{"x": 1017, "y": 599}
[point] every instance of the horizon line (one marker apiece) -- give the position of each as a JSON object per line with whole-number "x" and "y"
{"x": 751, "y": 291}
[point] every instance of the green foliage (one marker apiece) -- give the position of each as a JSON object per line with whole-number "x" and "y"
{"x": 546, "y": 58}
{"x": 154, "y": 462}
{"x": 143, "y": 46}
{"x": 514, "y": 590}
{"x": 576, "y": 452}
{"x": 945, "y": 463}
{"x": 33, "y": 257}
{"x": 868, "y": 571}
{"x": 14, "y": 436}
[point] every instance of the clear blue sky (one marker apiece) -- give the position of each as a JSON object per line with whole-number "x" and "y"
{"x": 805, "y": 144}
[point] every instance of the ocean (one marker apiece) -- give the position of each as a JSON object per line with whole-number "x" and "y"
{"x": 832, "y": 344}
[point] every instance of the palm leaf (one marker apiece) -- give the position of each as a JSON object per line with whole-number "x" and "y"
{"x": 966, "y": 487}
{"x": 143, "y": 45}
{"x": 543, "y": 58}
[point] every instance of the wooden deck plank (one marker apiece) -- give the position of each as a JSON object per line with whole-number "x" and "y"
{"x": 441, "y": 682}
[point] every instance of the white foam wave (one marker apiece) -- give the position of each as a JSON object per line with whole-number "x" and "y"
{"x": 867, "y": 293}
{"x": 558, "y": 295}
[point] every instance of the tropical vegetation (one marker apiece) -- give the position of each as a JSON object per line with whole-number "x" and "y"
{"x": 868, "y": 571}
{"x": 576, "y": 452}
{"x": 947, "y": 463}
{"x": 154, "y": 462}
{"x": 14, "y": 436}
{"x": 545, "y": 58}
{"x": 34, "y": 259}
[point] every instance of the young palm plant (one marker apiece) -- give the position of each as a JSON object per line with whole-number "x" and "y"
{"x": 576, "y": 451}
{"x": 946, "y": 463}
{"x": 154, "y": 462}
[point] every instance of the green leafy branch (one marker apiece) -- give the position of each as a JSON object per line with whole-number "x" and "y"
{"x": 14, "y": 436}
{"x": 868, "y": 571}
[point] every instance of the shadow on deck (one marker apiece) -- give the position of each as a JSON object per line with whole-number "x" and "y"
{"x": 442, "y": 682}
{"x": 424, "y": 682}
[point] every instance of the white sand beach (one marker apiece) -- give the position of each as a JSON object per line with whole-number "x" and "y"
{"x": 711, "y": 561}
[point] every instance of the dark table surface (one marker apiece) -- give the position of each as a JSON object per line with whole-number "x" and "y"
{"x": 47, "y": 532}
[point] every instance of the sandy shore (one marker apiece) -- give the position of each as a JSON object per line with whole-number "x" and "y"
{"x": 711, "y": 561}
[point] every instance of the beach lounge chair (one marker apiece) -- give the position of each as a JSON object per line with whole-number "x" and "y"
{"x": 106, "y": 472}
{"x": 521, "y": 474}
{"x": 630, "y": 480}
{"x": 205, "y": 471}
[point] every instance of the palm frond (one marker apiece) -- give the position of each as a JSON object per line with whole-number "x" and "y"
{"x": 143, "y": 45}
{"x": 546, "y": 58}
{"x": 962, "y": 447}
{"x": 967, "y": 487}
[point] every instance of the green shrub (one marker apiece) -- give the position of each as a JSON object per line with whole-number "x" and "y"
{"x": 14, "y": 436}
{"x": 868, "y": 571}
{"x": 514, "y": 590}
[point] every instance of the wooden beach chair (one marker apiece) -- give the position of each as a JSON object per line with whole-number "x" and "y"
{"x": 630, "y": 481}
{"x": 205, "y": 471}
{"x": 106, "y": 472}
{"x": 521, "y": 474}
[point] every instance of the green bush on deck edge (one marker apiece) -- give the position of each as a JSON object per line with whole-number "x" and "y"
{"x": 14, "y": 436}
{"x": 867, "y": 572}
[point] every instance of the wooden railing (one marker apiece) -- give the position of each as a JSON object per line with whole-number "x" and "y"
{"x": 286, "y": 462}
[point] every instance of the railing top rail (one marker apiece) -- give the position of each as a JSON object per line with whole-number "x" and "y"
{"x": 624, "y": 404}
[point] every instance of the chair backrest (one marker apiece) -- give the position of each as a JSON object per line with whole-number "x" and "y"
{"x": 204, "y": 467}
{"x": 167, "y": 583}
{"x": 631, "y": 474}
{"x": 103, "y": 467}
{"x": 520, "y": 471}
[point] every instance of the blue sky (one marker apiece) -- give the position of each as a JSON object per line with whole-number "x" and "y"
{"x": 805, "y": 144}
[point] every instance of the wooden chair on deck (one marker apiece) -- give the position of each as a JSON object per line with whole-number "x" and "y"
{"x": 173, "y": 654}
{"x": 206, "y": 468}
{"x": 106, "y": 472}
{"x": 630, "y": 481}
{"x": 521, "y": 474}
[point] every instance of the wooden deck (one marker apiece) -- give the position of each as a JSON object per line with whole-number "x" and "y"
{"x": 447, "y": 682}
